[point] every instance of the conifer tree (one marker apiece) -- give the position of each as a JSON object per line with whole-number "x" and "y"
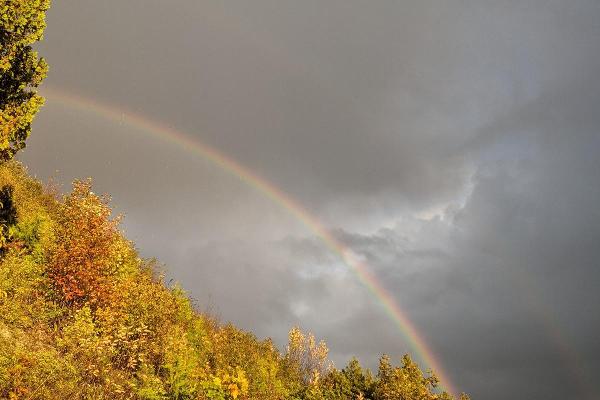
{"x": 22, "y": 23}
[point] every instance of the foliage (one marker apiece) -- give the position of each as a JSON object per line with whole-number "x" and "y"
{"x": 22, "y": 23}
{"x": 87, "y": 250}
{"x": 305, "y": 361}
{"x": 83, "y": 316}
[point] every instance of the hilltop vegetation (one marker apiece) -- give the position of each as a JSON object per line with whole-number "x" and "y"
{"x": 82, "y": 316}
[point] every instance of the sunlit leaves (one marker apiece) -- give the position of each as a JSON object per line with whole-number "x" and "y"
{"x": 82, "y": 316}
{"x": 88, "y": 250}
{"x": 22, "y": 23}
{"x": 305, "y": 357}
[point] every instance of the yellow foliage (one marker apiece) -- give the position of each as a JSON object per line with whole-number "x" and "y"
{"x": 305, "y": 357}
{"x": 83, "y": 317}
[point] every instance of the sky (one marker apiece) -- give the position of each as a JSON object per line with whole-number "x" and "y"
{"x": 452, "y": 146}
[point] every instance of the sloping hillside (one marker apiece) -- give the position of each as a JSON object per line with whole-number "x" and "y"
{"x": 83, "y": 316}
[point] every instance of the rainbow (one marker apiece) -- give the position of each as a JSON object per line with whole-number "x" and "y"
{"x": 193, "y": 145}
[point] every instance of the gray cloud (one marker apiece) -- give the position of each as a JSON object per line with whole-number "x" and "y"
{"x": 453, "y": 146}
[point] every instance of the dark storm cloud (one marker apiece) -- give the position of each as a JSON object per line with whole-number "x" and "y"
{"x": 517, "y": 264}
{"x": 451, "y": 145}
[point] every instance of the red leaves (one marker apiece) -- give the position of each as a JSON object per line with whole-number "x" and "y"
{"x": 81, "y": 262}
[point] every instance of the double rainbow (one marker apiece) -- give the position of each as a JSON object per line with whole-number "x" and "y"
{"x": 246, "y": 175}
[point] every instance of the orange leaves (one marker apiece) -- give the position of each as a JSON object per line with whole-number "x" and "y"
{"x": 87, "y": 239}
{"x": 118, "y": 332}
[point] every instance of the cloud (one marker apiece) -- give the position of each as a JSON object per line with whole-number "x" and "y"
{"x": 452, "y": 146}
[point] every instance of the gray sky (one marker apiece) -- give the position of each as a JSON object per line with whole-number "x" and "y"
{"x": 452, "y": 145}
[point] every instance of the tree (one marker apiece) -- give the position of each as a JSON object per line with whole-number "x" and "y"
{"x": 87, "y": 251}
{"x": 22, "y": 23}
{"x": 306, "y": 359}
{"x": 361, "y": 381}
{"x": 406, "y": 382}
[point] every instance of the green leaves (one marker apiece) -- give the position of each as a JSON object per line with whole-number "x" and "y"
{"x": 22, "y": 23}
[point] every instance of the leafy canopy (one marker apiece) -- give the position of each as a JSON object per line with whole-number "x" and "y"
{"x": 22, "y": 23}
{"x": 83, "y": 316}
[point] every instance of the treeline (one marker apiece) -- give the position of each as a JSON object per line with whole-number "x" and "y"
{"x": 82, "y": 316}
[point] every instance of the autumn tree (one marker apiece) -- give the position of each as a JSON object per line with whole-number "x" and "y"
{"x": 406, "y": 382}
{"x": 82, "y": 316}
{"x": 87, "y": 247}
{"x": 22, "y": 23}
{"x": 305, "y": 364}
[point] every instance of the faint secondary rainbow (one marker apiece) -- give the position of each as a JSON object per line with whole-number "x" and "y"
{"x": 246, "y": 175}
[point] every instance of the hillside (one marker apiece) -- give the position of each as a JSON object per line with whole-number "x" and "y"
{"x": 83, "y": 316}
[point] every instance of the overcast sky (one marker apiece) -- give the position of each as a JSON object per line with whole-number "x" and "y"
{"x": 453, "y": 145}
